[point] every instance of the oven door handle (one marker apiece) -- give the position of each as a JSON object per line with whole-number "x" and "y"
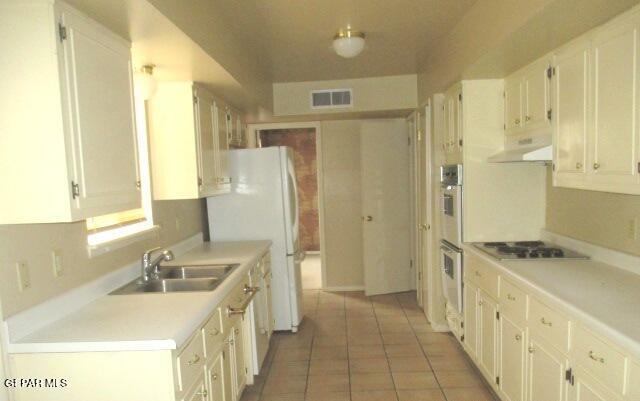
{"x": 447, "y": 204}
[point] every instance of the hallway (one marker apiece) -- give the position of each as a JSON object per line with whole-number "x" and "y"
{"x": 356, "y": 348}
{"x": 311, "y": 272}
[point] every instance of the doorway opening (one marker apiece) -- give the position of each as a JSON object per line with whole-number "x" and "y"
{"x": 304, "y": 140}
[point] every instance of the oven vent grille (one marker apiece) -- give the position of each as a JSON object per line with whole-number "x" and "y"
{"x": 331, "y": 98}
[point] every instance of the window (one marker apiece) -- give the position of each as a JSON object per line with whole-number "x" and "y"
{"x": 118, "y": 226}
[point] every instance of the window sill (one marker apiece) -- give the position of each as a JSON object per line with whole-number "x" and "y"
{"x": 106, "y": 247}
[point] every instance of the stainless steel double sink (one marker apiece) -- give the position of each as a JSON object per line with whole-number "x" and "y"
{"x": 180, "y": 279}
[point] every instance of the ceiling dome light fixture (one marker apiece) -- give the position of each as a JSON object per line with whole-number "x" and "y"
{"x": 348, "y": 43}
{"x": 144, "y": 82}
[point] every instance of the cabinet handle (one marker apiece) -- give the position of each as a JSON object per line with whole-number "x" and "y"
{"x": 518, "y": 337}
{"x": 511, "y": 297}
{"x": 200, "y": 181}
{"x": 214, "y": 376}
{"x": 527, "y": 118}
{"x": 194, "y": 360}
{"x": 203, "y": 393}
{"x": 214, "y": 332}
{"x": 545, "y": 322}
{"x": 517, "y": 121}
{"x": 531, "y": 350}
{"x": 596, "y": 358}
{"x": 596, "y": 166}
{"x": 578, "y": 165}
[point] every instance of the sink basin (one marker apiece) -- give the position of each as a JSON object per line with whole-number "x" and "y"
{"x": 180, "y": 279}
{"x": 185, "y": 272}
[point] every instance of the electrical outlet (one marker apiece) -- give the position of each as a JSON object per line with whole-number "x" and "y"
{"x": 24, "y": 280}
{"x": 56, "y": 259}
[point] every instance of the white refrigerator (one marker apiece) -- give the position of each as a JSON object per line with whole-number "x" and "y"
{"x": 263, "y": 204}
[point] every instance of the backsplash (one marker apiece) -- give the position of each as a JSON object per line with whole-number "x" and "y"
{"x": 600, "y": 218}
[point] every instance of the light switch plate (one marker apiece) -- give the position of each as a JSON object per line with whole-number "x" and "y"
{"x": 24, "y": 280}
{"x": 56, "y": 259}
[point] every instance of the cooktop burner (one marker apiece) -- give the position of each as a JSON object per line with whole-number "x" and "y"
{"x": 527, "y": 250}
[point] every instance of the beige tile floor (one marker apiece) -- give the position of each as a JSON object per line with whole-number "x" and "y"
{"x": 356, "y": 348}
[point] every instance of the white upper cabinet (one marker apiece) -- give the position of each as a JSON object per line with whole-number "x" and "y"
{"x": 452, "y": 127}
{"x": 526, "y": 99}
{"x": 68, "y": 142}
{"x": 188, "y": 142}
{"x": 571, "y": 97}
{"x": 596, "y": 92}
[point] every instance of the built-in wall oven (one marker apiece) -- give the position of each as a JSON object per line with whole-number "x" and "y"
{"x": 451, "y": 260}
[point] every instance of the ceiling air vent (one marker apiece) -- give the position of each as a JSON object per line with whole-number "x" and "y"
{"x": 331, "y": 98}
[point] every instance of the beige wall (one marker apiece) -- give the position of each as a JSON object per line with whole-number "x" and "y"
{"x": 342, "y": 203}
{"x": 600, "y": 218}
{"x": 34, "y": 243}
{"x": 369, "y": 94}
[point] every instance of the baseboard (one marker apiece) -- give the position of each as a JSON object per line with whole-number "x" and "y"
{"x": 344, "y": 288}
{"x": 440, "y": 328}
{"x": 312, "y": 252}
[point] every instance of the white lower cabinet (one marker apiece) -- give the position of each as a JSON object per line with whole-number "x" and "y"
{"x": 547, "y": 371}
{"x": 487, "y": 339}
{"x": 533, "y": 351}
{"x": 215, "y": 377}
{"x": 511, "y": 378}
{"x": 240, "y": 364}
{"x": 199, "y": 391}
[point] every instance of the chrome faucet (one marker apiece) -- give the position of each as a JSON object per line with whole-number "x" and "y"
{"x": 150, "y": 267}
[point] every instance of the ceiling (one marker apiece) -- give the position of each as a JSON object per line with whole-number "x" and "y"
{"x": 293, "y": 38}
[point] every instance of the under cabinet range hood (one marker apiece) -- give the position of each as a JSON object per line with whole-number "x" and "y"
{"x": 531, "y": 148}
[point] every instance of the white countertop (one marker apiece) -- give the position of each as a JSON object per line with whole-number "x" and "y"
{"x": 145, "y": 321}
{"x": 604, "y": 298}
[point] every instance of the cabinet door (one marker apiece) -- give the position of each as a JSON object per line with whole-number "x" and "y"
{"x": 198, "y": 392}
{"x": 239, "y": 357}
{"x": 470, "y": 318}
{"x": 586, "y": 388}
{"x": 445, "y": 125}
{"x": 512, "y": 359}
{"x": 535, "y": 86}
{"x": 227, "y": 369}
{"x": 215, "y": 378}
{"x": 546, "y": 372}
{"x": 456, "y": 121}
{"x": 614, "y": 140}
{"x": 223, "y": 130}
{"x": 513, "y": 105}
{"x": 487, "y": 336}
{"x": 206, "y": 144}
{"x": 270, "y": 320}
{"x": 97, "y": 67}
{"x": 571, "y": 105}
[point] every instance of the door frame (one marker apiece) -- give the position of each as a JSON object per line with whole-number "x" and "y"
{"x": 413, "y": 121}
{"x": 253, "y": 131}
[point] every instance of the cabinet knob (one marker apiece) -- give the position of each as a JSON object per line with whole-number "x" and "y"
{"x": 527, "y": 118}
{"x": 531, "y": 350}
{"x": 578, "y": 165}
{"x": 214, "y": 376}
{"x": 194, "y": 360}
{"x": 214, "y": 332}
{"x": 517, "y": 121}
{"x": 480, "y": 302}
{"x": 518, "y": 337}
{"x": 596, "y": 166}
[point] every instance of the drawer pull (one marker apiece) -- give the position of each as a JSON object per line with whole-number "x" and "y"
{"x": 252, "y": 291}
{"x": 531, "y": 350}
{"x": 203, "y": 393}
{"x": 545, "y": 322}
{"x": 214, "y": 376}
{"x": 518, "y": 337}
{"x": 194, "y": 360}
{"x": 511, "y": 297}
{"x": 596, "y": 358}
{"x": 214, "y": 332}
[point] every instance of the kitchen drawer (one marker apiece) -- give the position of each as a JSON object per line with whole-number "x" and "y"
{"x": 213, "y": 334}
{"x": 190, "y": 362}
{"x": 513, "y": 301}
{"x": 599, "y": 358}
{"x": 549, "y": 324}
{"x": 632, "y": 390}
{"x": 482, "y": 274}
{"x": 234, "y": 300}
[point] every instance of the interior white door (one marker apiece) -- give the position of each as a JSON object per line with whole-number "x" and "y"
{"x": 425, "y": 204}
{"x": 385, "y": 206}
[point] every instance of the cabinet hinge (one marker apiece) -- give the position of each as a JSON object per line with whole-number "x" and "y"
{"x": 411, "y": 263}
{"x": 549, "y": 72}
{"x": 195, "y": 100}
{"x": 246, "y": 370}
{"x": 62, "y": 31}
{"x": 638, "y": 167}
{"x": 553, "y": 166}
{"x": 568, "y": 376}
{"x": 462, "y": 325}
{"x": 462, "y": 338}
{"x": 498, "y": 315}
{"x": 504, "y": 127}
{"x": 460, "y": 96}
{"x": 549, "y": 113}
{"x": 498, "y": 380}
{"x": 138, "y": 184}
{"x": 75, "y": 189}
{"x": 223, "y": 355}
{"x": 460, "y": 142}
